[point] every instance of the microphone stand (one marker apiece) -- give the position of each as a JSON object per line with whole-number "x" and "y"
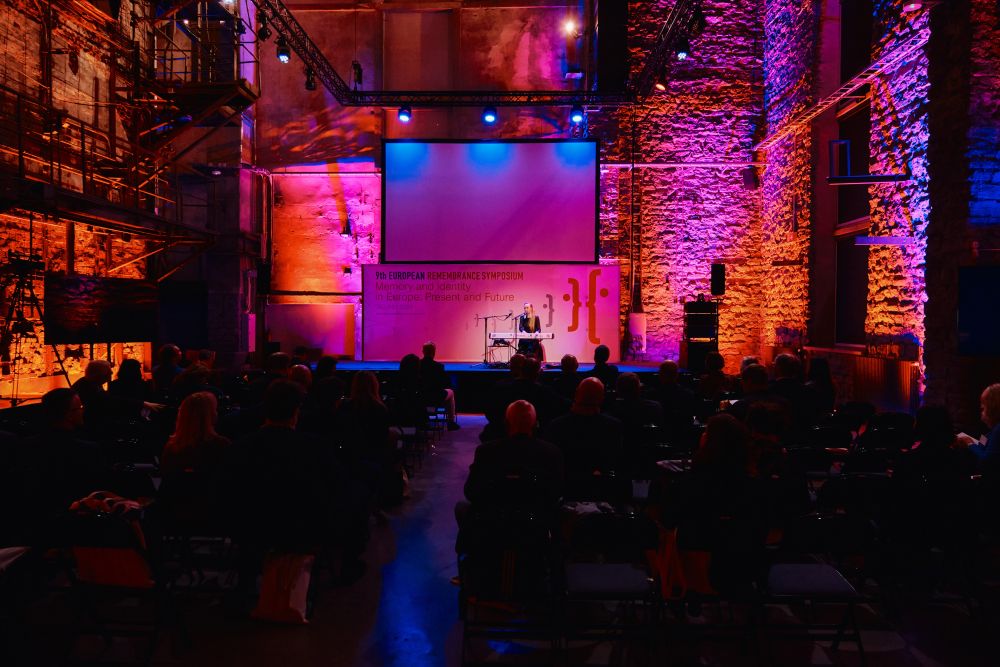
{"x": 486, "y": 334}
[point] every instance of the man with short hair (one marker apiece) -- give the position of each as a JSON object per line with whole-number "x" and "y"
{"x": 590, "y": 441}
{"x": 519, "y": 453}
{"x": 436, "y": 385}
{"x": 602, "y": 370}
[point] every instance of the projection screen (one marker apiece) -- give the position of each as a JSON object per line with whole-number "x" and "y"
{"x": 490, "y": 202}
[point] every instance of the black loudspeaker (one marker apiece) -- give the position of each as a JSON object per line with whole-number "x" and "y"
{"x": 612, "y": 45}
{"x": 750, "y": 179}
{"x": 718, "y": 279}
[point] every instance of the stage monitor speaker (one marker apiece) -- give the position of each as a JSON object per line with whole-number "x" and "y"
{"x": 718, "y": 279}
{"x": 612, "y": 46}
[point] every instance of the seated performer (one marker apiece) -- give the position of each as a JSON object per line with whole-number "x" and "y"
{"x": 528, "y": 322}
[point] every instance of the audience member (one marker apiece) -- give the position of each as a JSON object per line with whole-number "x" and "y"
{"x": 756, "y": 389}
{"x": 196, "y": 377}
{"x": 368, "y": 443}
{"x": 288, "y": 491}
{"x": 101, "y": 408}
{"x": 502, "y": 396}
{"x": 679, "y": 404}
{"x": 565, "y": 382}
{"x": 57, "y": 466}
{"x": 301, "y": 374}
{"x": 933, "y": 455}
{"x": 714, "y": 382}
{"x": 407, "y": 405}
{"x": 632, "y": 410}
{"x": 988, "y": 453}
{"x": 820, "y": 382}
{"x": 195, "y": 445}
{"x": 436, "y": 385}
{"x": 802, "y": 400}
{"x": 275, "y": 368}
{"x": 167, "y": 368}
{"x": 327, "y": 385}
{"x": 130, "y": 383}
{"x": 602, "y": 370}
{"x": 522, "y": 454}
{"x": 363, "y": 422}
{"x": 589, "y": 440}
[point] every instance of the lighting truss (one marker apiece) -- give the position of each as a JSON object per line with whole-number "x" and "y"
{"x": 677, "y": 24}
{"x": 888, "y": 62}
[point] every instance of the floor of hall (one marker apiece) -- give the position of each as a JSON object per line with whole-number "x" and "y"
{"x": 404, "y": 611}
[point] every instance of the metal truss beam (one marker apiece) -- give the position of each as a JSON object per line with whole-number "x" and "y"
{"x": 679, "y": 23}
{"x": 888, "y": 62}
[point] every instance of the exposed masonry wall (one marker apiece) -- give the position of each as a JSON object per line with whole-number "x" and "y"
{"x": 899, "y": 137}
{"x": 80, "y": 87}
{"x": 790, "y": 43}
{"x": 690, "y": 217}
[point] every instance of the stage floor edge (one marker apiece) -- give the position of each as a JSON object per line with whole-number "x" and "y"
{"x": 472, "y": 367}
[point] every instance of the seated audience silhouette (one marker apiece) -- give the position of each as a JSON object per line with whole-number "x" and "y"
{"x": 591, "y": 442}
{"x": 520, "y": 453}
{"x": 57, "y": 466}
{"x": 130, "y": 383}
{"x": 679, "y": 404}
{"x": 436, "y": 385}
{"x": 565, "y": 382}
{"x": 195, "y": 445}
{"x": 167, "y": 368}
{"x": 602, "y": 370}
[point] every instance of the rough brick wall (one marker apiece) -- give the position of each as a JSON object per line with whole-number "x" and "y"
{"x": 964, "y": 170}
{"x": 691, "y": 216}
{"x": 899, "y": 137}
{"x": 790, "y": 42}
{"x": 81, "y": 89}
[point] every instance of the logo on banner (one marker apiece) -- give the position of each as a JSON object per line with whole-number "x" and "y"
{"x": 591, "y": 303}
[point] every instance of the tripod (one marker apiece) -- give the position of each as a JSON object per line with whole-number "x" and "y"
{"x": 23, "y": 311}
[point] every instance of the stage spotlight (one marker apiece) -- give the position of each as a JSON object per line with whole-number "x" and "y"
{"x": 404, "y": 115}
{"x": 570, "y": 29}
{"x": 310, "y": 79}
{"x": 490, "y": 115}
{"x": 283, "y": 52}
{"x": 576, "y": 114}
{"x": 660, "y": 86}
{"x": 263, "y": 32}
{"x": 683, "y": 48}
{"x": 912, "y": 6}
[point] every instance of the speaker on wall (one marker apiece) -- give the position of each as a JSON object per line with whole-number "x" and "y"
{"x": 750, "y": 179}
{"x": 718, "y": 279}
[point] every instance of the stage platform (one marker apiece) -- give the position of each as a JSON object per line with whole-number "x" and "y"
{"x": 472, "y": 367}
{"x": 473, "y": 381}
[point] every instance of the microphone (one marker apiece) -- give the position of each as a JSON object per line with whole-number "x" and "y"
{"x": 510, "y": 314}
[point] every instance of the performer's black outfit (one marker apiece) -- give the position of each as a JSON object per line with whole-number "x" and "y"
{"x": 529, "y": 347}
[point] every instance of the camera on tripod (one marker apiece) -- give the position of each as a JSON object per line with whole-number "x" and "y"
{"x": 24, "y": 265}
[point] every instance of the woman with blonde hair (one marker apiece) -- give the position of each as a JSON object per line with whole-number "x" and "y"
{"x": 195, "y": 445}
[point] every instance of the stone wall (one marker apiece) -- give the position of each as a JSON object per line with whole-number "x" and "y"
{"x": 80, "y": 88}
{"x": 899, "y": 138}
{"x": 790, "y": 42}
{"x": 691, "y": 216}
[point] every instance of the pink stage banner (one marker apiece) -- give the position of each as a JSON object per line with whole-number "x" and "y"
{"x": 406, "y": 305}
